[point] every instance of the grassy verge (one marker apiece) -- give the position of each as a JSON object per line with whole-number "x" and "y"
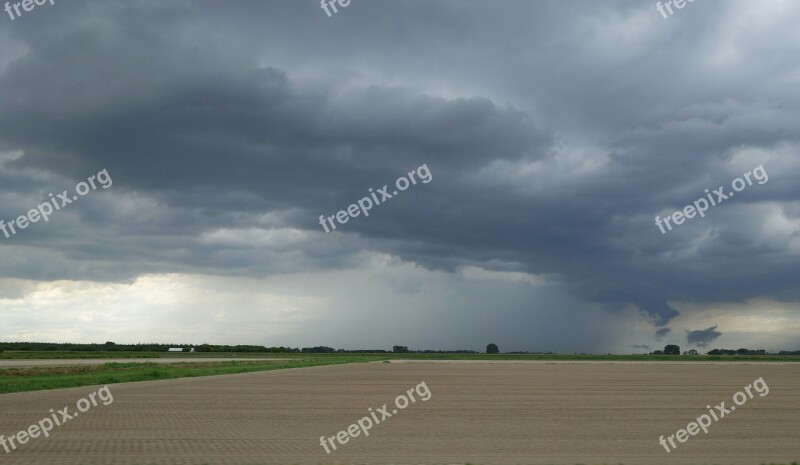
{"x": 55, "y": 355}
{"x": 36, "y": 379}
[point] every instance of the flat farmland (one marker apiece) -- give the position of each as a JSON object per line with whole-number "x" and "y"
{"x": 479, "y": 413}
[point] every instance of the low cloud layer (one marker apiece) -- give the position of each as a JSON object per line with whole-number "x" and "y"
{"x": 703, "y": 337}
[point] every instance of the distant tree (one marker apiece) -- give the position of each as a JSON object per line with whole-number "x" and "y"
{"x": 492, "y": 349}
{"x": 318, "y": 350}
{"x": 203, "y": 348}
{"x": 672, "y": 349}
{"x": 657, "y": 352}
{"x": 400, "y": 349}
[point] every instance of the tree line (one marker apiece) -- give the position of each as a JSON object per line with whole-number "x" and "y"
{"x": 142, "y": 347}
{"x": 492, "y": 348}
{"x": 157, "y": 347}
{"x": 672, "y": 349}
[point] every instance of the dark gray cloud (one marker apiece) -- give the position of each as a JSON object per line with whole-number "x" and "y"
{"x": 641, "y": 346}
{"x": 662, "y": 332}
{"x": 702, "y": 337}
{"x": 555, "y": 132}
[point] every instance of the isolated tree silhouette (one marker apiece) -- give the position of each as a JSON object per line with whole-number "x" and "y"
{"x": 492, "y": 349}
{"x": 672, "y": 349}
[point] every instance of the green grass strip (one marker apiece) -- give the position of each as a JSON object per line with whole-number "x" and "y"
{"x": 37, "y": 379}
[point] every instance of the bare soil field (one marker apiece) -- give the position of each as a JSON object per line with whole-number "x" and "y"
{"x": 481, "y": 413}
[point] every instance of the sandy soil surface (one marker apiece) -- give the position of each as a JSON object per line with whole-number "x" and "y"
{"x": 595, "y": 362}
{"x": 100, "y": 361}
{"x": 479, "y": 413}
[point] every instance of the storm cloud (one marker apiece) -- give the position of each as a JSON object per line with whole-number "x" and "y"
{"x": 555, "y": 132}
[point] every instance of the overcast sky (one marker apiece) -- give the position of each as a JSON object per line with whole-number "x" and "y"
{"x": 555, "y": 132}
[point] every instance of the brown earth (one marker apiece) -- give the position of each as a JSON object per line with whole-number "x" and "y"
{"x": 523, "y": 413}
